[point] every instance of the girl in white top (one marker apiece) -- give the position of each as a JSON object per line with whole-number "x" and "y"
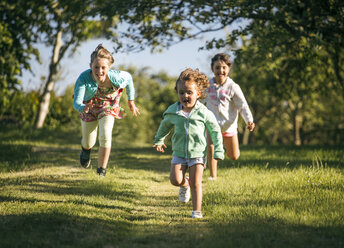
{"x": 226, "y": 99}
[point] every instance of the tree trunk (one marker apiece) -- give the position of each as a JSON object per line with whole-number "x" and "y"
{"x": 297, "y": 127}
{"x": 297, "y": 121}
{"x": 49, "y": 85}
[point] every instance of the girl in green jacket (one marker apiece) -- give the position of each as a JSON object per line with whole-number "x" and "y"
{"x": 190, "y": 120}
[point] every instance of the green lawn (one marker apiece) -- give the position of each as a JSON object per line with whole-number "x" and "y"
{"x": 273, "y": 196}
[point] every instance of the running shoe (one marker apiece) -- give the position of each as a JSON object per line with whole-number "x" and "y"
{"x": 101, "y": 171}
{"x": 85, "y": 159}
{"x": 197, "y": 214}
{"x": 184, "y": 194}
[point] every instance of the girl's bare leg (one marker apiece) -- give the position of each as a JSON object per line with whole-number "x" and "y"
{"x": 212, "y": 163}
{"x": 196, "y": 173}
{"x": 177, "y": 175}
{"x": 103, "y": 156}
{"x": 232, "y": 147}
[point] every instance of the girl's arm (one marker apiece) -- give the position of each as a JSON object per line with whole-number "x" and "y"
{"x": 79, "y": 93}
{"x": 130, "y": 90}
{"x": 129, "y": 84}
{"x": 164, "y": 129}
{"x": 133, "y": 108}
{"x": 242, "y": 106}
{"x": 123, "y": 79}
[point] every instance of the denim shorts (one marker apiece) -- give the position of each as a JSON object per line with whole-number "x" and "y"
{"x": 188, "y": 162}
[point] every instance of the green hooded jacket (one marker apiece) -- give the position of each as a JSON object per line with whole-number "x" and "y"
{"x": 189, "y": 138}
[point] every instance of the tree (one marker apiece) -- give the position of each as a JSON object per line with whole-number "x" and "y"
{"x": 18, "y": 32}
{"x": 70, "y": 23}
{"x": 159, "y": 24}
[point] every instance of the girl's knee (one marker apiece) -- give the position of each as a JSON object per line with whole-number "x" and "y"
{"x": 234, "y": 156}
{"x": 176, "y": 182}
{"x": 87, "y": 145}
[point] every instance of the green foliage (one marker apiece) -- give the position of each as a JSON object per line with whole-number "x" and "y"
{"x": 20, "y": 108}
{"x": 155, "y": 92}
{"x": 282, "y": 88}
{"x": 18, "y": 32}
{"x": 61, "y": 112}
{"x": 293, "y": 51}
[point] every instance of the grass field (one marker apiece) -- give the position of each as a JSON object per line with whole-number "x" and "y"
{"x": 273, "y": 196}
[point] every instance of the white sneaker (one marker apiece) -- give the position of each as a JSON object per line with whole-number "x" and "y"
{"x": 197, "y": 214}
{"x": 212, "y": 178}
{"x": 184, "y": 194}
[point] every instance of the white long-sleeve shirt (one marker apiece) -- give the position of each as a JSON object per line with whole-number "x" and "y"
{"x": 226, "y": 101}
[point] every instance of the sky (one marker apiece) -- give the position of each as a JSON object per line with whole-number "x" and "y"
{"x": 172, "y": 60}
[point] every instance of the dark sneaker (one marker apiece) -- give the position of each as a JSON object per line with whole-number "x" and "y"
{"x": 101, "y": 171}
{"x": 85, "y": 159}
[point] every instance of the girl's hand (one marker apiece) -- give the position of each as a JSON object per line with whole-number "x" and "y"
{"x": 133, "y": 108}
{"x": 88, "y": 106}
{"x": 160, "y": 148}
{"x": 250, "y": 126}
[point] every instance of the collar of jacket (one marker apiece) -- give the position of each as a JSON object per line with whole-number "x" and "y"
{"x": 176, "y": 108}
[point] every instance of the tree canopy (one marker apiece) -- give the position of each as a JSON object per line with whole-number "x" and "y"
{"x": 291, "y": 53}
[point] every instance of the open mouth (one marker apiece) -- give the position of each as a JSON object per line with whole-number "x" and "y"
{"x": 186, "y": 100}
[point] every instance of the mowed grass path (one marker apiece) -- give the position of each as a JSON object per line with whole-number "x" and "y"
{"x": 273, "y": 196}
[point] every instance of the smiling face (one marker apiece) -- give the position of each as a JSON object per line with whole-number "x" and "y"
{"x": 100, "y": 67}
{"x": 220, "y": 70}
{"x": 188, "y": 93}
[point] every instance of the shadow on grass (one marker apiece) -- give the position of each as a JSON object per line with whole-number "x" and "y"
{"x": 55, "y": 229}
{"x": 27, "y": 157}
{"x": 263, "y": 232}
{"x": 62, "y": 187}
{"x": 61, "y": 230}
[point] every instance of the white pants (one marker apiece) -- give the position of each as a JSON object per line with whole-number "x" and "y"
{"x": 89, "y": 132}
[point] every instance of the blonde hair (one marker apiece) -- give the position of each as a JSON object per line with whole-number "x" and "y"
{"x": 102, "y": 53}
{"x": 195, "y": 76}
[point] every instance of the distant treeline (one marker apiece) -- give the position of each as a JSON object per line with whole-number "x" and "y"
{"x": 312, "y": 117}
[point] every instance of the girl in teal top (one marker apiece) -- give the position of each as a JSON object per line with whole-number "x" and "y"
{"x": 97, "y": 94}
{"x": 190, "y": 119}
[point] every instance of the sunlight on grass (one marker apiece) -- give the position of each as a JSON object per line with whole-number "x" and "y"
{"x": 270, "y": 197}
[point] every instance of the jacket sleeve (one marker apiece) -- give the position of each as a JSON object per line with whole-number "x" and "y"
{"x": 123, "y": 79}
{"x": 164, "y": 129}
{"x": 79, "y": 93}
{"x": 214, "y": 131}
{"x": 130, "y": 86}
{"x": 241, "y": 104}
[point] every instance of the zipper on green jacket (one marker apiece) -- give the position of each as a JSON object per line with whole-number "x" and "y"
{"x": 186, "y": 136}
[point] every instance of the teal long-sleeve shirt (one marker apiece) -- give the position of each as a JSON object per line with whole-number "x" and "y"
{"x": 85, "y": 87}
{"x": 189, "y": 138}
